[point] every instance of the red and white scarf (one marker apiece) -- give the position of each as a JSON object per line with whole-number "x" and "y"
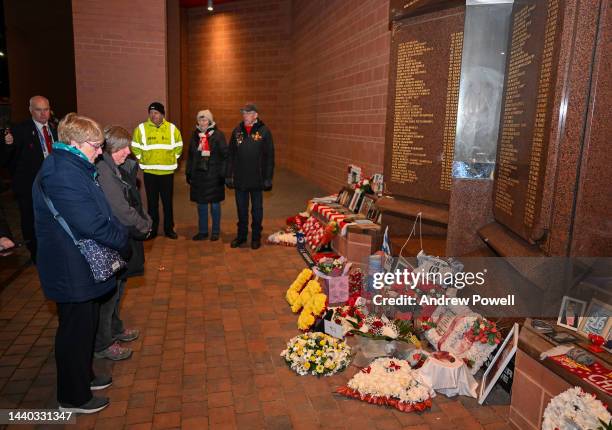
{"x": 204, "y": 145}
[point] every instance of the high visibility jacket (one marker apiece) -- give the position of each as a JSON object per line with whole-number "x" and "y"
{"x": 157, "y": 148}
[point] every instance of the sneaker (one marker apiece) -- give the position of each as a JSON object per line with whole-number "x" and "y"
{"x": 237, "y": 242}
{"x": 255, "y": 244}
{"x": 128, "y": 335}
{"x": 95, "y": 404}
{"x": 200, "y": 236}
{"x": 115, "y": 352}
{"x": 214, "y": 237}
{"x": 101, "y": 382}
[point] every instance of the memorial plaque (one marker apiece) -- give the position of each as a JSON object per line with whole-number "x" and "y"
{"x": 526, "y": 114}
{"x": 399, "y": 9}
{"x": 424, "y": 77}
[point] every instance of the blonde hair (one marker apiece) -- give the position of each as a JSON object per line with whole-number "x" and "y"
{"x": 116, "y": 138}
{"x": 79, "y": 129}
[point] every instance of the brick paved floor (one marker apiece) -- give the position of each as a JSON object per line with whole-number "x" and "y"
{"x": 213, "y": 322}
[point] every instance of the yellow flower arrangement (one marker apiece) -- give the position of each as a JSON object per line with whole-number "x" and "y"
{"x": 294, "y": 290}
{"x": 305, "y": 320}
{"x": 313, "y": 287}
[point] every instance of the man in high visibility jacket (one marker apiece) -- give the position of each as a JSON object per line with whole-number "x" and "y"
{"x": 157, "y": 144}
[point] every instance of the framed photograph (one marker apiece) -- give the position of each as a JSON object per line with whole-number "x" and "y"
{"x": 608, "y": 344}
{"x": 355, "y": 200}
{"x": 339, "y": 196}
{"x": 506, "y": 351}
{"x": 373, "y": 213}
{"x": 562, "y": 337}
{"x": 377, "y": 183}
{"x": 571, "y": 313}
{"x": 597, "y": 320}
{"x": 366, "y": 204}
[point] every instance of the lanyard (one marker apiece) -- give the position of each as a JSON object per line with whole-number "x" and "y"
{"x": 41, "y": 137}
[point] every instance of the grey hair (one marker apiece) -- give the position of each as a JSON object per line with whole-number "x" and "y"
{"x": 116, "y": 138}
{"x": 31, "y": 101}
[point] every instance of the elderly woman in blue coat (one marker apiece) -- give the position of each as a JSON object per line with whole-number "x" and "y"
{"x": 68, "y": 177}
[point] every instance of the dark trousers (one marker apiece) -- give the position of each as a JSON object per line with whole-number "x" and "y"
{"x": 160, "y": 186}
{"x": 74, "y": 342}
{"x": 110, "y": 324}
{"x": 26, "y": 211}
{"x": 242, "y": 204}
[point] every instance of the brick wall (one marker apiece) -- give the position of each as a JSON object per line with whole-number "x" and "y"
{"x": 317, "y": 68}
{"x": 238, "y": 54}
{"x": 340, "y": 53}
{"x": 120, "y": 58}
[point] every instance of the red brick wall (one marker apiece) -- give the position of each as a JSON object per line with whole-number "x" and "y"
{"x": 340, "y": 53}
{"x": 120, "y": 58}
{"x": 317, "y": 69}
{"x": 238, "y": 54}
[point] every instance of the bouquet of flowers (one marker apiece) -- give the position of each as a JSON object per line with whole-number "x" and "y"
{"x": 576, "y": 410}
{"x": 331, "y": 266}
{"x": 364, "y": 186}
{"x": 356, "y": 281}
{"x": 484, "y": 331}
{"x": 317, "y": 354}
{"x": 295, "y": 223}
{"x": 286, "y": 238}
{"x": 390, "y": 382}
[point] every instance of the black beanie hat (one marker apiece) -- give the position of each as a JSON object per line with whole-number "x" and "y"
{"x": 158, "y": 107}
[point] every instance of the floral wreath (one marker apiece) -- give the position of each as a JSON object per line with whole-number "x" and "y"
{"x": 317, "y": 354}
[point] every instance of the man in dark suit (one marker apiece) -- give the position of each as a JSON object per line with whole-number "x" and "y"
{"x": 27, "y": 145}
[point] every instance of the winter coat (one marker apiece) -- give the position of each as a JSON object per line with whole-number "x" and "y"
{"x": 25, "y": 156}
{"x": 251, "y": 157}
{"x": 207, "y": 174}
{"x": 127, "y": 207}
{"x": 157, "y": 148}
{"x": 70, "y": 182}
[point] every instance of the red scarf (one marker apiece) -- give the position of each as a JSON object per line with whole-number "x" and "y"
{"x": 204, "y": 146}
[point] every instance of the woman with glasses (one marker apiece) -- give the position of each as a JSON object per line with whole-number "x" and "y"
{"x": 206, "y": 173}
{"x": 68, "y": 179}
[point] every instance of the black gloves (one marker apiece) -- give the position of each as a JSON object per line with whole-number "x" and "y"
{"x": 267, "y": 185}
{"x": 229, "y": 183}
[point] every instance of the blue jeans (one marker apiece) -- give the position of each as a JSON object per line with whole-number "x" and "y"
{"x": 215, "y": 210}
{"x": 242, "y": 205}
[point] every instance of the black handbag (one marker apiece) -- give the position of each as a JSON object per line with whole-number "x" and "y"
{"x": 104, "y": 262}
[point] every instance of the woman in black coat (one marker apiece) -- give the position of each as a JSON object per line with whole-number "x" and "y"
{"x": 206, "y": 173}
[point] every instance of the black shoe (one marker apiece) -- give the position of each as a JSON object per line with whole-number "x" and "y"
{"x": 152, "y": 236}
{"x": 237, "y": 242}
{"x": 200, "y": 236}
{"x": 214, "y": 237}
{"x": 95, "y": 404}
{"x": 255, "y": 244}
{"x": 101, "y": 382}
{"x": 171, "y": 235}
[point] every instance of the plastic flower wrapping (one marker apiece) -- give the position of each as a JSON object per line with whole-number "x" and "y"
{"x": 390, "y": 382}
{"x": 576, "y": 410}
{"x": 317, "y": 354}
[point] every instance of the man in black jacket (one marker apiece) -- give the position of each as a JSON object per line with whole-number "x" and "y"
{"x": 250, "y": 169}
{"x": 27, "y": 145}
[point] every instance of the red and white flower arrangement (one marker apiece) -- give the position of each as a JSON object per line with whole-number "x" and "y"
{"x": 390, "y": 382}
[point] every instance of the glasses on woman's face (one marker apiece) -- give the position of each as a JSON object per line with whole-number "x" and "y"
{"x": 96, "y": 145}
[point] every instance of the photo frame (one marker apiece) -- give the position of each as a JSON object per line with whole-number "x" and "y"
{"x": 355, "y": 200}
{"x": 570, "y": 314}
{"x": 366, "y": 204}
{"x": 504, "y": 354}
{"x": 339, "y": 196}
{"x": 597, "y": 319}
{"x": 608, "y": 343}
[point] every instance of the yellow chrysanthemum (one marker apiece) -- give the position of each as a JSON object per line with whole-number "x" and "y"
{"x": 306, "y": 365}
{"x": 320, "y": 369}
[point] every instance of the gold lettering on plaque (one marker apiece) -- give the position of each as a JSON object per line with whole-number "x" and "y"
{"x": 513, "y": 110}
{"x": 537, "y": 142}
{"x": 406, "y": 148}
{"x": 452, "y": 103}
